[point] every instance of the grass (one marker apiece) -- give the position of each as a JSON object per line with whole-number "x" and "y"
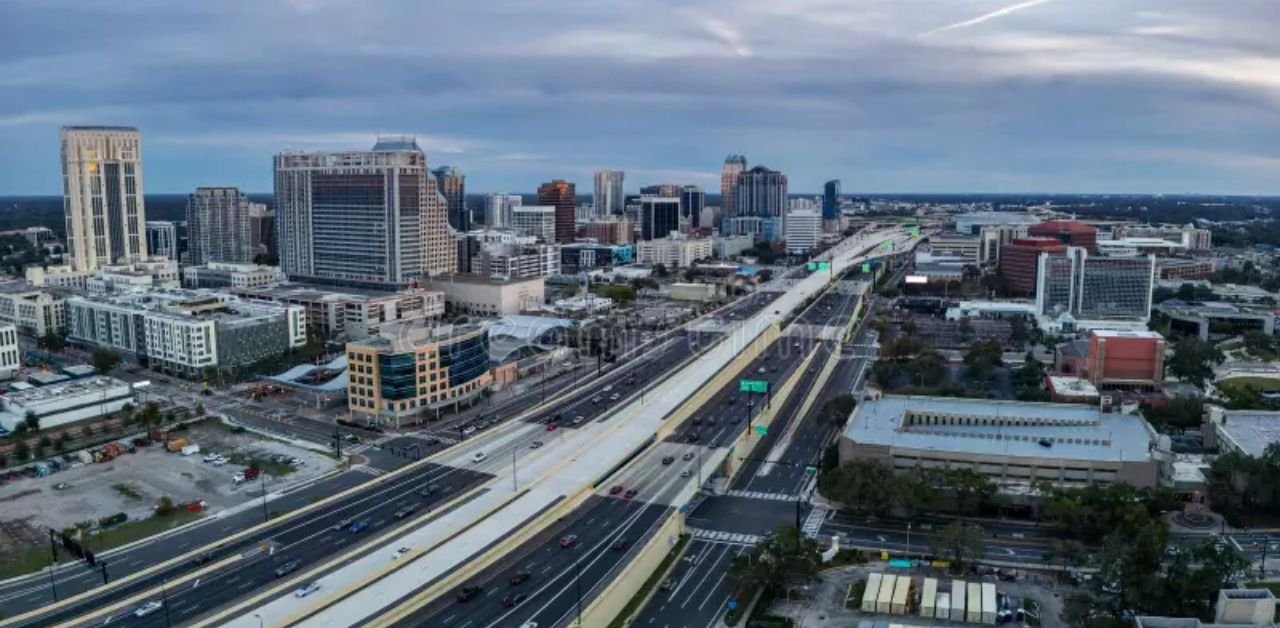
{"x": 126, "y": 491}
{"x": 1031, "y": 605}
{"x": 267, "y": 465}
{"x": 25, "y": 562}
{"x": 1263, "y": 384}
{"x": 137, "y": 530}
{"x": 643, "y": 593}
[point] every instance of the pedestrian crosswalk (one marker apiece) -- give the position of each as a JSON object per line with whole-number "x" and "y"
{"x": 781, "y": 497}
{"x": 725, "y": 537}
{"x": 364, "y": 468}
{"x": 813, "y": 523}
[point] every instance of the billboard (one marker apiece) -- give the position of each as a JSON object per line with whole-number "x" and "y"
{"x": 916, "y": 279}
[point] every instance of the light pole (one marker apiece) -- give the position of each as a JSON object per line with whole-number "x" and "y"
{"x": 164, "y": 601}
{"x": 514, "y": 486}
{"x": 262, "y": 483}
{"x": 259, "y": 618}
{"x": 908, "y": 539}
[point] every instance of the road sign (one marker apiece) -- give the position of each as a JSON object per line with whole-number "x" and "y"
{"x": 753, "y": 386}
{"x": 733, "y": 604}
{"x": 684, "y": 508}
{"x": 761, "y": 430}
{"x": 814, "y": 266}
{"x": 811, "y": 470}
{"x": 866, "y": 267}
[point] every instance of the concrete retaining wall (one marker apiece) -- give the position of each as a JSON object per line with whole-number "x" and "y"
{"x": 626, "y": 585}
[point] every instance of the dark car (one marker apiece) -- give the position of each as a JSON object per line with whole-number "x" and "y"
{"x": 513, "y": 599}
{"x": 519, "y": 577}
{"x": 615, "y": 489}
{"x": 692, "y": 437}
{"x": 668, "y": 460}
{"x": 466, "y": 594}
{"x": 359, "y": 526}
{"x": 696, "y": 421}
{"x": 287, "y": 568}
{"x": 687, "y": 456}
{"x": 620, "y": 545}
{"x": 569, "y": 541}
{"x": 629, "y": 494}
{"x": 203, "y": 558}
{"x": 405, "y": 512}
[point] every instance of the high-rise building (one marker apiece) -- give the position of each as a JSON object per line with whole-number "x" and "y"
{"x": 668, "y": 190}
{"x": 538, "y": 221}
{"x": 1094, "y": 288}
{"x": 1068, "y": 232}
{"x": 804, "y": 228}
{"x": 659, "y": 216}
{"x": 453, "y": 185}
{"x": 361, "y": 217}
{"x": 608, "y": 199}
{"x": 1020, "y": 262}
{"x": 218, "y": 226}
{"x": 692, "y": 201}
{"x": 734, "y": 165}
{"x": 762, "y": 193}
{"x": 616, "y": 231}
{"x": 497, "y": 209}
{"x": 560, "y": 194}
{"x": 163, "y": 238}
{"x": 831, "y": 200}
{"x": 102, "y": 195}
{"x": 262, "y": 230}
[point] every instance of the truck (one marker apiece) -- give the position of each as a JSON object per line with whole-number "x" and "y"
{"x": 958, "y": 590}
{"x": 973, "y": 603}
{"x": 929, "y": 599}
{"x": 884, "y": 599}
{"x": 901, "y": 590}
{"x": 176, "y": 445}
{"x": 871, "y": 592}
{"x": 943, "y": 611}
{"x": 989, "y": 603}
{"x": 191, "y": 450}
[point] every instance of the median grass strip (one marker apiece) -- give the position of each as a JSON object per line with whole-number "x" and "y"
{"x": 127, "y": 533}
{"x": 657, "y": 576}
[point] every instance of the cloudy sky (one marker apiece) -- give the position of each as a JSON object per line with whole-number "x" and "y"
{"x": 887, "y": 95}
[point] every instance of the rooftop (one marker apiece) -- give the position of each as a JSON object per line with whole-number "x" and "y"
{"x": 473, "y": 279}
{"x": 526, "y": 328}
{"x": 42, "y": 394}
{"x": 1251, "y": 430}
{"x": 186, "y": 304}
{"x": 403, "y": 337}
{"x": 1002, "y": 428}
{"x": 1117, "y": 333}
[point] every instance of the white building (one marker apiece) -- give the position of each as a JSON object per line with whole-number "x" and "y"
{"x": 218, "y": 226}
{"x": 498, "y": 208}
{"x": 162, "y": 238}
{"x": 224, "y": 275}
{"x": 803, "y": 229}
{"x": 102, "y": 195}
{"x": 673, "y": 251}
{"x": 960, "y": 245}
{"x": 490, "y": 296}
{"x": 727, "y": 246}
{"x": 66, "y": 402}
{"x": 34, "y": 311}
{"x": 535, "y": 220}
{"x": 585, "y": 303}
{"x": 351, "y": 313}
{"x": 608, "y": 199}
{"x": 150, "y": 273}
{"x": 9, "y": 355}
{"x": 514, "y": 260}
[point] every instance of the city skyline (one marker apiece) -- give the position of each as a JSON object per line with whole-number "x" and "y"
{"x": 975, "y": 96}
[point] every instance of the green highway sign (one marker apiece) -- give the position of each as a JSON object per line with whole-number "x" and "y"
{"x": 866, "y": 267}
{"x": 761, "y": 430}
{"x": 753, "y": 386}
{"x": 813, "y": 266}
{"x": 810, "y": 470}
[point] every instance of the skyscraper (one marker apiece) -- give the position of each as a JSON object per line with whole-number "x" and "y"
{"x": 692, "y": 202}
{"x": 218, "y": 226}
{"x": 734, "y": 165}
{"x": 262, "y": 230}
{"x": 497, "y": 209}
{"x": 831, "y": 200}
{"x": 561, "y": 195}
{"x": 762, "y": 193}
{"x": 453, "y": 185}
{"x": 608, "y": 199}
{"x": 1092, "y": 287}
{"x": 102, "y": 195}
{"x": 162, "y": 238}
{"x": 361, "y": 217}
{"x": 667, "y": 190}
{"x": 659, "y": 216}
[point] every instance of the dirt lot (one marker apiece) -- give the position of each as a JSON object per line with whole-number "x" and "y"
{"x": 134, "y": 483}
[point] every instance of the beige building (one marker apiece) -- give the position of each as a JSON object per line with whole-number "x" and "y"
{"x": 960, "y": 245}
{"x": 102, "y": 195}
{"x": 409, "y": 373}
{"x": 673, "y": 251}
{"x": 349, "y": 312}
{"x": 488, "y": 296}
{"x": 34, "y": 311}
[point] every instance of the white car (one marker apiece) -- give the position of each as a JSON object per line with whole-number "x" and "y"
{"x": 529, "y": 624}
{"x": 400, "y": 552}
{"x": 479, "y": 456}
{"x": 219, "y": 461}
{"x": 148, "y": 608}
{"x": 307, "y": 589}
{"x": 211, "y": 457}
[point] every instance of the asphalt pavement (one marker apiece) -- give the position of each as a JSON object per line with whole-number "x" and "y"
{"x": 699, "y": 589}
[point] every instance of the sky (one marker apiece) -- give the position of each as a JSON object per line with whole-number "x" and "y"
{"x": 1069, "y": 96}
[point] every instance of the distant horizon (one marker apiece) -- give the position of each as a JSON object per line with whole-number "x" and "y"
{"x": 843, "y": 194}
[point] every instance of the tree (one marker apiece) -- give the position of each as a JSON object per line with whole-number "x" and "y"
{"x": 150, "y": 415}
{"x": 864, "y": 487}
{"x": 21, "y": 451}
{"x": 660, "y": 270}
{"x": 836, "y": 411}
{"x": 959, "y": 543}
{"x": 1260, "y": 344}
{"x": 1193, "y": 360}
{"x": 981, "y": 361}
{"x": 1179, "y": 413}
{"x": 31, "y": 421}
{"x": 199, "y": 409}
{"x": 105, "y": 360}
{"x": 965, "y": 328}
{"x": 164, "y": 507}
{"x": 785, "y": 558}
{"x": 52, "y": 341}
{"x": 1018, "y": 333}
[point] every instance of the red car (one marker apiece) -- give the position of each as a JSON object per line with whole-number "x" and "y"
{"x": 619, "y": 545}
{"x": 551, "y": 427}
{"x": 616, "y": 489}
{"x": 629, "y": 494}
{"x": 687, "y": 457}
{"x": 518, "y": 578}
{"x": 569, "y": 541}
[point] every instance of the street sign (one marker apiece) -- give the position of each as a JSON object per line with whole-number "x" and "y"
{"x": 761, "y": 430}
{"x": 753, "y": 386}
{"x": 684, "y": 508}
{"x": 866, "y": 267}
{"x": 733, "y": 604}
{"x": 810, "y": 470}
{"x": 814, "y": 266}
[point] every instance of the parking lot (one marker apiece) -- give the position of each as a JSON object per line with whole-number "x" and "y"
{"x": 133, "y": 483}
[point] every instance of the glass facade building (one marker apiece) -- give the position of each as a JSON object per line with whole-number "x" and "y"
{"x": 409, "y": 373}
{"x": 1090, "y": 287}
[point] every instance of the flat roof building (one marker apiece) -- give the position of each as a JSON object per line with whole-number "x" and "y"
{"x": 1215, "y": 319}
{"x": 351, "y": 313}
{"x": 1245, "y": 431}
{"x": 33, "y": 310}
{"x": 66, "y": 402}
{"x": 222, "y": 275}
{"x": 1012, "y": 443}
{"x": 490, "y": 296}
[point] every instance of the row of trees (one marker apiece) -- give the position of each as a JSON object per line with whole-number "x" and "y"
{"x": 1243, "y": 484}
{"x": 784, "y": 559}
{"x": 871, "y": 488}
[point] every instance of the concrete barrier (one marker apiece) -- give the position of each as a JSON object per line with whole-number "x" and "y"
{"x": 726, "y": 376}
{"x": 747, "y": 440}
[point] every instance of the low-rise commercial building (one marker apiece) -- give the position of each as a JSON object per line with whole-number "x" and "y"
{"x": 1014, "y": 444}
{"x": 489, "y": 296}
{"x": 409, "y": 373}
{"x": 66, "y": 402}
{"x": 34, "y": 311}
{"x": 693, "y": 292}
{"x": 226, "y": 275}
{"x": 1236, "y": 608}
{"x": 609, "y": 231}
{"x": 1183, "y": 268}
{"x": 1116, "y": 360}
{"x": 673, "y": 251}
{"x": 732, "y": 246}
{"x": 963, "y": 246}
{"x": 1216, "y": 319}
{"x": 515, "y": 260}
{"x": 581, "y": 257}
{"x": 352, "y": 313}
{"x": 153, "y": 273}
{"x": 1188, "y": 236}
{"x": 1248, "y": 432}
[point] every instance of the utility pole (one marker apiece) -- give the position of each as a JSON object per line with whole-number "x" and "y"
{"x": 262, "y": 482}
{"x": 53, "y": 564}
{"x": 164, "y": 601}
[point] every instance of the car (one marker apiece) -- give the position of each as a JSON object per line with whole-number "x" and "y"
{"x": 614, "y": 397}
{"x": 686, "y": 473}
{"x": 466, "y": 594}
{"x": 148, "y": 608}
{"x": 731, "y": 400}
{"x": 607, "y": 388}
{"x": 615, "y": 489}
{"x": 629, "y": 494}
{"x": 551, "y": 427}
{"x": 535, "y": 444}
{"x": 220, "y": 461}
{"x": 761, "y": 370}
{"x": 596, "y": 400}
{"x": 668, "y": 460}
{"x": 61, "y": 486}
{"x": 711, "y": 421}
{"x": 345, "y": 523}
{"x": 210, "y": 457}
{"x": 479, "y": 456}
{"x": 287, "y": 568}
{"x": 359, "y": 526}
{"x": 1018, "y": 535}
{"x": 692, "y": 437}
{"x": 687, "y": 456}
{"x": 577, "y": 420}
{"x": 400, "y": 552}
{"x": 513, "y": 599}
{"x": 307, "y": 589}
{"x": 519, "y": 577}
{"x": 429, "y": 490}
{"x": 667, "y": 584}
{"x": 620, "y": 545}
{"x": 569, "y": 541}
{"x": 696, "y": 421}
{"x": 203, "y": 558}
{"x": 529, "y": 624}
{"x": 405, "y": 512}
{"x": 468, "y": 430}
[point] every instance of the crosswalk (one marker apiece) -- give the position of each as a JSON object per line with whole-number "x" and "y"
{"x": 780, "y": 497}
{"x": 725, "y": 537}
{"x": 364, "y": 468}
{"x": 813, "y": 523}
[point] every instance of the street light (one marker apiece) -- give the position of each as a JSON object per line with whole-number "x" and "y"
{"x": 259, "y": 618}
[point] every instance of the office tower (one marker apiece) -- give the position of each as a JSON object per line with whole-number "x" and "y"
{"x": 1095, "y": 288}
{"x": 608, "y": 199}
{"x": 497, "y": 209}
{"x": 1020, "y": 262}
{"x": 453, "y": 185}
{"x": 692, "y": 202}
{"x": 560, "y": 195}
{"x": 659, "y": 216}
{"x": 831, "y": 200}
{"x": 539, "y": 221}
{"x": 102, "y": 195}
{"x": 762, "y": 193}
{"x": 1068, "y": 232}
{"x": 218, "y": 226}
{"x": 262, "y": 230}
{"x": 162, "y": 238}
{"x": 361, "y": 217}
{"x": 804, "y": 229}
{"x": 668, "y": 190}
{"x": 734, "y": 165}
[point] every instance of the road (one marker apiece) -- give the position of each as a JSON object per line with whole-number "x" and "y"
{"x": 699, "y": 590}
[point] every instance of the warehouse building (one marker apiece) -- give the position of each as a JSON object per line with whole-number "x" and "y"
{"x": 66, "y": 402}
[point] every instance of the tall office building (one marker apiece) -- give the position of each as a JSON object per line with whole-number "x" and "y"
{"x": 734, "y": 165}
{"x": 361, "y": 217}
{"x": 659, "y": 216}
{"x": 831, "y": 201}
{"x": 102, "y": 195}
{"x": 1095, "y": 288}
{"x": 539, "y": 221}
{"x": 561, "y": 195}
{"x": 218, "y": 226}
{"x": 762, "y": 193}
{"x": 497, "y": 209}
{"x": 608, "y": 199}
{"x": 162, "y": 238}
{"x": 1068, "y": 232}
{"x": 668, "y": 190}
{"x": 453, "y": 185}
{"x": 692, "y": 201}
{"x": 262, "y": 230}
